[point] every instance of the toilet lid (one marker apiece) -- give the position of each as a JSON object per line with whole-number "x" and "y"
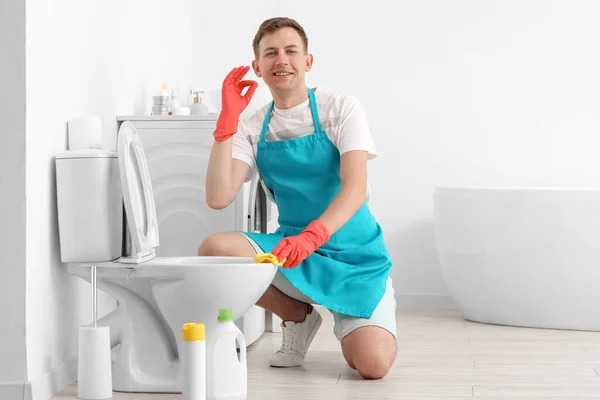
{"x": 138, "y": 196}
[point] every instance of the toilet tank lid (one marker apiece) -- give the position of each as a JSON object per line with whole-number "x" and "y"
{"x": 86, "y": 153}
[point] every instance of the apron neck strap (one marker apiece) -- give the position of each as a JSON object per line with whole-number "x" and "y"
{"x": 265, "y": 127}
{"x": 313, "y": 110}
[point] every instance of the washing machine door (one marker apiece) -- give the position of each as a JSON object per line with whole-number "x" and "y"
{"x": 138, "y": 197}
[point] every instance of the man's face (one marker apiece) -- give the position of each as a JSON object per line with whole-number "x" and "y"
{"x": 281, "y": 62}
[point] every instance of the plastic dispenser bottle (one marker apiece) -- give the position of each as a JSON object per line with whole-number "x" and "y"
{"x": 173, "y": 103}
{"x": 197, "y": 108}
{"x": 194, "y": 362}
{"x": 227, "y": 375}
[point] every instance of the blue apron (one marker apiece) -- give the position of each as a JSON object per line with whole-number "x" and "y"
{"x": 348, "y": 273}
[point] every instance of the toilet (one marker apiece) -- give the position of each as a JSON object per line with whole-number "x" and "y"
{"x": 107, "y": 218}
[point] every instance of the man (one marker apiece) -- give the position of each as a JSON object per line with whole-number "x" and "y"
{"x": 311, "y": 149}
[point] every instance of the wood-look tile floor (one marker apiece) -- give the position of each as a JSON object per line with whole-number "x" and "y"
{"x": 440, "y": 356}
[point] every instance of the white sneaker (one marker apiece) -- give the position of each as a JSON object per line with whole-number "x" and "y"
{"x": 297, "y": 336}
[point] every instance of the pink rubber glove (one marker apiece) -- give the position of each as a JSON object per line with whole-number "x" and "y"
{"x": 233, "y": 103}
{"x": 296, "y": 249}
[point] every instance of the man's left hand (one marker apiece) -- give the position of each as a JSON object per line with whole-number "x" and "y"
{"x": 295, "y": 249}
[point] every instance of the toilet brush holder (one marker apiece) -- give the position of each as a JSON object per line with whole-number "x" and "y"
{"x": 94, "y": 370}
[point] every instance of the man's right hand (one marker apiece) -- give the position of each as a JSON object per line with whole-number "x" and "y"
{"x": 233, "y": 103}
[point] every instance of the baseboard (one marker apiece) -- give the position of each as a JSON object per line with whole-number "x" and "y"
{"x": 13, "y": 390}
{"x": 54, "y": 381}
{"x": 426, "y": 301}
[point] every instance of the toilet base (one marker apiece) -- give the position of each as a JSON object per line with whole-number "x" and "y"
{"x": 141, "y": 362}
{"x": 144, "y": 343}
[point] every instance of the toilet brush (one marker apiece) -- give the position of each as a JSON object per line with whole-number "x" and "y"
{"x": 94, "y": 373}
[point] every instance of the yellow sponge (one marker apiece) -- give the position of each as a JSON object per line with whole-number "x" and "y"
{"x": 267, "y": 258}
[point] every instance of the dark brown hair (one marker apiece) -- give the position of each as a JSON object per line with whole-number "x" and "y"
{"x": 273, "y": 25}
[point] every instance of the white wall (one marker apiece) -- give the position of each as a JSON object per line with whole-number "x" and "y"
{"x": 466, "y": 92}
{"x": 13, "y": 370}
{"x": 102, "y": 58}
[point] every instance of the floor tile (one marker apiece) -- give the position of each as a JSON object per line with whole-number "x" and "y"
{"x": 440, "y": 355}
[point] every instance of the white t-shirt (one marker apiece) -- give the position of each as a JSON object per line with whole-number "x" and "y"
{"x": 342, "y": 118}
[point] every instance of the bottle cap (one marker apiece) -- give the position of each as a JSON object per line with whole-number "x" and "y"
{"x": 193, "y": 332}
{"x": 225, "y": 314}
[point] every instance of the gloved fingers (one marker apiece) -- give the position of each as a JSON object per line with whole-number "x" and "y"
{"x": 282, "y": 243}
{"x": 290, "y": 262}
{"x": 230, "y": 76}
{"x": 282, "y": 250}
{"x": 284, "y": 256}
{"x": 252, "y": 88}
{"x": 245, "y": 83}
{"x": 235, "y": 75}
{"x": 240, "y": 73}
{"x": 301, "y": 255}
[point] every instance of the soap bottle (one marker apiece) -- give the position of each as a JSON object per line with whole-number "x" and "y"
{"x": 194, "y": 361}
{"x": 197, "y": 108}
{"x": 226, "y": 374}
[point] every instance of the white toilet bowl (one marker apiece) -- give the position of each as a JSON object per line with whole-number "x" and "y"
{"x": 521, "y": 257}
{"x": 156, "y": 298}
{"x": 156, "y": 295}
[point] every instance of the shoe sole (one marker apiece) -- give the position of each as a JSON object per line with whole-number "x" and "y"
{"x": 311, "y": 336}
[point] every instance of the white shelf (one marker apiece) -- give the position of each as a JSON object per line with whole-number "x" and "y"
{"x": 210, "y": 117}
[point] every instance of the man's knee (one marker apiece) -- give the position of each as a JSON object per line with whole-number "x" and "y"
{"x": 371, "y": 351}
{"x": 214, "y": 245}
{"x": 374, "y": 365}
{"x": 226, "y": 244}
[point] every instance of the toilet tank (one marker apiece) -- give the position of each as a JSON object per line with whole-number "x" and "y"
{"x": 90, "y": 208}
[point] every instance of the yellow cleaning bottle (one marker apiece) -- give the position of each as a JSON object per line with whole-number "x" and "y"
{"x": 194, "y": 361}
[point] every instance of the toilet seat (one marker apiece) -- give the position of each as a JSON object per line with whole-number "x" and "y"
{"x": 138, "y": 196}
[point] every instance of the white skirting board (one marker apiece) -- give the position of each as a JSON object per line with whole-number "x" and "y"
{"x": 43, "y": 387}
{"x": 14, "y": 390}
{"x": 425, "y": 301}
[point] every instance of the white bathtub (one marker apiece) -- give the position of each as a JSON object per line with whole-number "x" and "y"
{"x": 521, "y": 257}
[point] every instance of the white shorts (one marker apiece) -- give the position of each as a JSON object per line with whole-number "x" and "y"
{"x": 383, "y": 316}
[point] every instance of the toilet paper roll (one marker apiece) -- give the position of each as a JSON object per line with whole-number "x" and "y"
{"x": 85, "y": 133}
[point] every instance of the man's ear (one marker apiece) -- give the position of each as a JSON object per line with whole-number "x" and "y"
{"x": 256, "y": 68}
{"x": 309, "y": 61}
